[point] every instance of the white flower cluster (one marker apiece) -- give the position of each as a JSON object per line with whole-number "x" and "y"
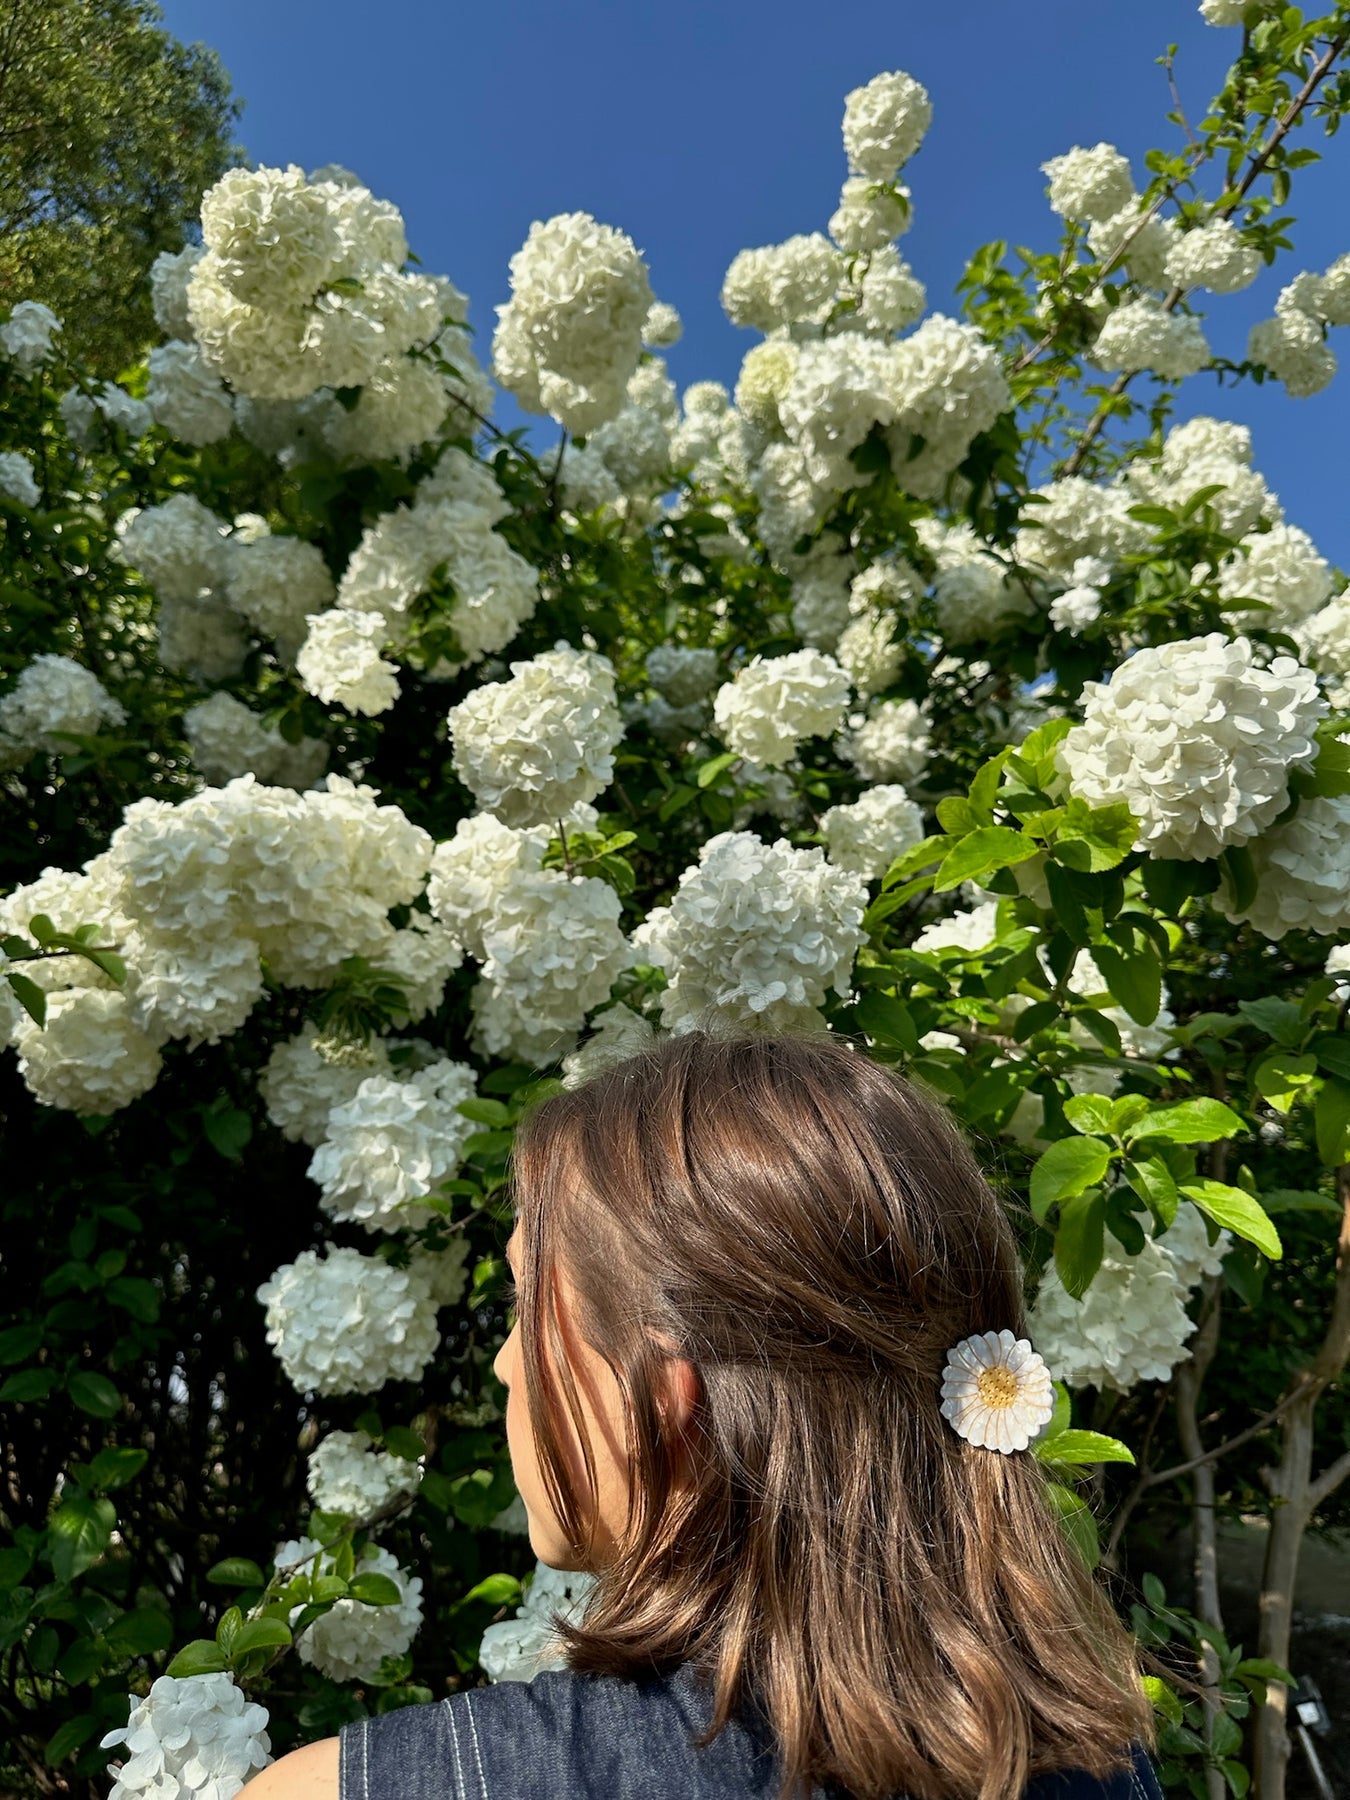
{"x": 775, "y": 286}
{"x": 1281, "y": 571}
{"x": 446, "y": 535}
{"x": 890, "y": 744}
{"x": 299, "y": 1086}
{"x": 1197, "y": 739}
{"x": 884, "y": 124}
{"x": 344, "y": 1323}
{"x": 1089, "y": 184}
{"x": 17, "y": 480}
{"x": 187, "y": 396}
{"x": 518, "y": 1649}
{"x": 950, "y": 386}
{"x": 1204, "y": 453}
{"x": 682, "y": 673}
{"x": 1132, "y": 1324}
{"x": 870, "y": 833}
{"x": 969, "y": 929}
{"x": 275, "y": 582}
{"x": 392, "y": 1144}
{"x": 301, "y": 284}
{"x": 1136, "y": 239}
{"x": 1140, "y": 334}
{"x": 1293, "y": 344}
{"x": 1215, "y": 256}
{"x": 974, "y": 593}
{"x": 756, "y": 934}
{"x": 1302, "y": 872}
{"x": 774, "y": 704}
{"x": 570, "y": 336}
{"x": 54, "y": 701}
{"x": 194, "y": 1737}
{"x": 1073, "y": 518}
{"x": 1324, "y": 640}
{"x": 352, "y": 1639}
{"x": 530, "y": 748}
{"x": 26, "y": 335}
{"x": 619, "y": 1033}
{"x": 227, "y": 739}
{"x": 347, "y": 1475}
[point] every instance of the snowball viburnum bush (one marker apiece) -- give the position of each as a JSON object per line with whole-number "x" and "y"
{"x": 939, "y": 679}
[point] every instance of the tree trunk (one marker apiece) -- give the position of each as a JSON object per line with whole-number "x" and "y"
{"x": 1205, "y": 1558}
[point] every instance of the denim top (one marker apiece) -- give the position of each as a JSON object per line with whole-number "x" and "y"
{"x": 565, "y": 1736}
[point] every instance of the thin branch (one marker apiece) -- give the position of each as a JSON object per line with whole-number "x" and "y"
{"x": 1329, "y": 1480}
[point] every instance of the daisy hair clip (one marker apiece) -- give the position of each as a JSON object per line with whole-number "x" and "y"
{"x": 996, "y": 1391}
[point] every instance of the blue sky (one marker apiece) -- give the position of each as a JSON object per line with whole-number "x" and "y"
{"x": 702, "y": 128}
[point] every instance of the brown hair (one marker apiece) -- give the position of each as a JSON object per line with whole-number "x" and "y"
{"x": 813, "y": 1235}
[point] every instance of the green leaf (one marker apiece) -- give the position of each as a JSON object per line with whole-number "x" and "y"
{"x": 1279, "y": 1019}
{"x": 94, "y": 1394}
{"x": 1075, "y": 1517}
{"x": 1170, "y": 884}
{"x": 1332, "y": 1051}
{"x": 1035, "y": 1018}
{"x": 28, "y": 1384}
{"x": 991, "y": 847}
{"x": 1156, "y": 1186}
{"x": 203, "y": 1656}
{"x": 1240, "y": 872}
{"x": 18, "y": 1343}
{"x": 887, "y": 1020}
{"x": 485, "y": 1112}
{"x": 374, "y": 1589}
{"x": 1243, "y": 1215}
{"x": 1331, "y": 1120}
{"x": 1080, "y": 1240}
{"x": 69, "y": 1736}
{"x": 142, "y": 1632}
{"x": 113, "y": 1468}
{"x": 1066, "y": 1169}
{"x": 1189, "y": 1122}
{"x": 236, "y": 1571}
{"x": 260, "y": 1634}
{"x": 405, "y": 1443}
{"x": 15, "y": 1563}
{"x": 495, "y": 1590}
{"x": 1135, "y": 981}
{"x": 80, "y": 1531}
{"x": 1092, "y": 838}
{"x": 1162, "y": 1698}
{"x": 709, "y": 771}
{"x": 1089, "y": 1113}
{"x": 1281, "y": 1077}
{"x": 29, "y": 996}
{"x": 1072, "y": 1448}
{"x": 227, "y": 1129}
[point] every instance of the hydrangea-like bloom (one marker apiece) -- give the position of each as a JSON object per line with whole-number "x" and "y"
{"x": 869, "y": 653}
{"x": 340, "y": 661}
{"x": 774, "y": 703}
{"x": 682, "y": 673}
{"x": 392, "y": 1144}
{"x": 192, "y": 1735}
{"x": 972, "y": 929}
{"x": 352, "y": 1639}
{"x": 1197, "y": 740}
{"x": 473, "y": 870}
{"x": 1324, "y": 637}
{"x": 349, "y": 1476}
{"x": 186, "y": 397}
{"x": 402, "y": 405}
{"x": 1132, "y": 1324}
{"x": 1292, "y": 346}
{"x": 1214, "y": 256}
{"x": 1224, "y": 12}
{"x": 872, "y": 832}
{"x": 299, "y": 1087}
{"x": 554, "y": 948}
{"x": 17, "y": 481}
{"x": 276, "y": 582}
{"x": 975, "y": 594}
{"x": 949, "y": 387}
{"x": 884, "y": 124}
{"x": 776, "y": 285}
{"x": 839, "y": 389}
{"x": 1281, "y": 570}
{"x": 1089, "y": 184}
{"x": 756, "y": 934}
{"x": 90, "y": 1057}
{"x": 54, "y": 696}
{"x": 1203, "y": 453}
{"x": 26, "y": 335}
{"x": 889, "y": 295}
{"x": 869, "y": 215}
{"x": 170, "y": 274}
{"x": 662, "y": 326}
{"x": 890, "y": 745}
{"x": 1141, "y": 244}
{"x": 1140, "y": 335}
{"x": 1072, "y": 518}
{"x": 206, "y": 642}
{"x": 345, "y": 1323}
{"x": 1302, "y": 872}
{"x": 1075, "y": 609}
{"x": 228, "y": 740}
{"x": 619, "y": 1033}
{"x": 531, "y": 747}
{"x": 179, "y": 547}
{"x": 518, "y": 1649}
{"x": 570, "y": 336}
{"x": 198, "y": 987}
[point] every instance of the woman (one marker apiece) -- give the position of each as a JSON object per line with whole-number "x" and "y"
{"x": 766, "y": 1383}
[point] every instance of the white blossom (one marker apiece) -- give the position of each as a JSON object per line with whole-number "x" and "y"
{"x": 344, "y": 1323}
{"x": 473, "y": 870}
{"x": 570, "y": 336}
{"x": 186, "y": 397}
{"x": 870, "y": 214}
{"x": 194, "y": 1737}
{"x": 1293, "y": 348}
{"x": 169, "y": 276}
{"x": 518, "y": 1649}
{"x": 90, "y": 1056}
{"x": 17, "y": 480}
{"x": 352, "y": 1639}
{"x": 618, "y": 1033}
{"x": 1335, "y": 292}
{"x": 1089, "y": 184}
{"x": 299, "y": 1087}
{"x": 276, "y": 581}
{"x": 970, "y": 930}
{"x": 401, "y": 406}
{"x": 54, "y": 700}
{"x": 682, "y": 672}
{"x": 227, "y": 739}
{"x": 1302, "y": 872}
{"x": 949, "y": 387}
{"x": 206, "y": 642}
{"x": 869, "y": 653}
{"x": 531, "y": 747}
{"x": 891, "y": 744}
{"x": 26, "y": 335}
{"x": 1139, "y": 334}
{"x": 179, "y": 547}
{"x": 870, "y": 833}
{"x": 1072, "y": 518}
{"x": 884, "y": 124}
{"x": 1142, "y": 241}
{"x": 1214, "y": 256}
{"x": 1279, "y": 569}
{"x": 774, "y": 703}
{"x": 347, "y": 1475}
{"x": 778, "y": 285}
{"x": 756, "y": 934}
{"x": 392, "y": 1144}
{"x": 1197, "y": 739}
{"x": 661, "y": 328}
{"x": 340, "y": 661}
{"x": 185, "y": 985}
{"x": 1075, "y": 609}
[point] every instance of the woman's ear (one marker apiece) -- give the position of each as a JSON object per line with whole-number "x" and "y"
{"x": 680, "y": 1393}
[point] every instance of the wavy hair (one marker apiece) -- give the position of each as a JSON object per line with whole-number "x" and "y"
{"x": 903, "y": 1610}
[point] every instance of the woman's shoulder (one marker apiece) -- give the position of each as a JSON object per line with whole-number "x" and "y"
{"x": 1137, "y": 1781}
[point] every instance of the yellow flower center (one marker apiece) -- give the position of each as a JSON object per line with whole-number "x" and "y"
{"x": 997, "y": 1387}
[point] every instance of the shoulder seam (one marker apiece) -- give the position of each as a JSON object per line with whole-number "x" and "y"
{"x": 473, "y": 1732}
{"x": 462, "y": 1793}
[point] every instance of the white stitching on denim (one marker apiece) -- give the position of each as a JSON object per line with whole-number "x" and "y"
{"x": 1137, "y": 1787}
{"x": 477, "y": 1757}
{"x": 454, "y": 1744}
{"x": 365, "y": 1759}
